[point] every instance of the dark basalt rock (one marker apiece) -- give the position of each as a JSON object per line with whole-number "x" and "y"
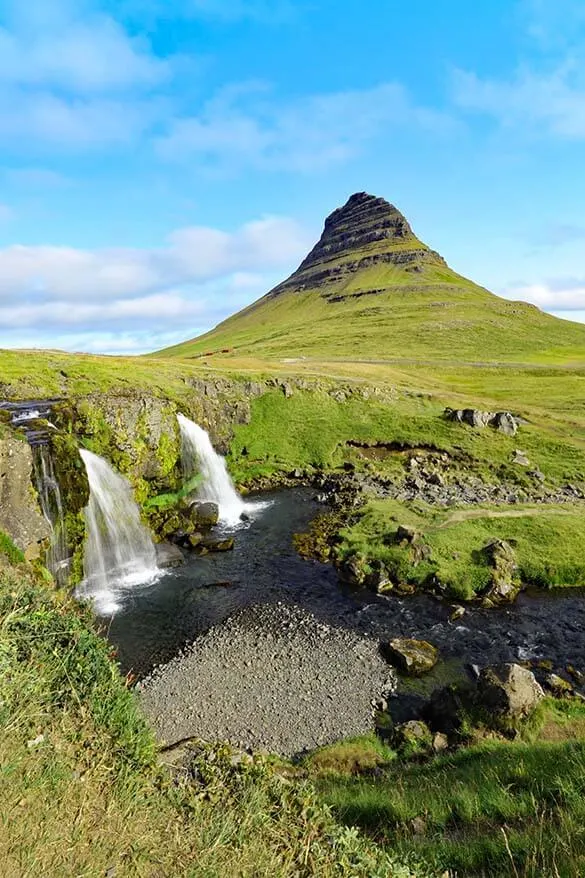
{"x": 361, "y": 228}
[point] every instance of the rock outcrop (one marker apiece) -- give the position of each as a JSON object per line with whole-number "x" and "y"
{"x": 366, "y": 231}
{"x": 20, "y": 514}
{"x": 503, "y": 422}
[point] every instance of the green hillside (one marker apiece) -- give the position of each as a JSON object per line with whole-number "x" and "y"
{"x": 371, "y": 290}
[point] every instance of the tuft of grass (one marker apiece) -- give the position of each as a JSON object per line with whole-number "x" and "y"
{"x": 11, "y": 553}
{"x": 492, "y": 809}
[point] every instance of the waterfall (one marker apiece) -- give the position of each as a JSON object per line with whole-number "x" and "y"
{"x": 57, "y": 559}
{"x": 119, "y": 551}
{"x": 198, "y": 455}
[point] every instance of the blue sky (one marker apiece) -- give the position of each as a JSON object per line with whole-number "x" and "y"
{"x": 163, "y": 164}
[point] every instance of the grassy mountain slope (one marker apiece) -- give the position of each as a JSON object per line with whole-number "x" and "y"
{"x": 370, "y": 289}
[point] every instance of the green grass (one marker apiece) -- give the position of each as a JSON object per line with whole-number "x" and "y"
{"x": 495, "y": 808}
{"x": 434, "y": 315}
{"x": 549, "y": 543}
{"x": 8, "y": 551}
{"x": 311, "y": 429}
{"x": 82, "y": 792}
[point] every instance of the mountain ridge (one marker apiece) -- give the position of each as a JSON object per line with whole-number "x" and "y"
{"x": 370, "y": 282}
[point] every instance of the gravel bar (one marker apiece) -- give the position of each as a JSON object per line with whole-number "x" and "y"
{"x": 272, "y": 678}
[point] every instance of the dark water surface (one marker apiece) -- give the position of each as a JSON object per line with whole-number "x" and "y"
{"x": 158, "y": 620}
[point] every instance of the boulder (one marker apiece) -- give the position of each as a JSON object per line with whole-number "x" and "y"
{"x": 412, "y": 657}
{"x": 505, "y": 584}
{"x": 20, "y": 514}
{"x": 508, "y": 690}
{"x": 405, "y": 533}
{"x": 205, "y": 514}
{"x": 168, "y": 555}
{"x": 412, "y": 736}
{"x": 503, "y": 422}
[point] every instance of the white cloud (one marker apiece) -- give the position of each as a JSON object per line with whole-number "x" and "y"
{"x": 556, "y": 295}
{"x": 243, "y": 126}
{"x": 550, "y": 103}
{"x": 73, "y": 77}
{"x": 191, "y": 255}
{"x": 79, "y": 55}
{"x": 196, "y": 279}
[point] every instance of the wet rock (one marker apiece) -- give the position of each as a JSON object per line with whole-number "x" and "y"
{"x": 205, "y": 514}
{"x": 457, "y": 612}
{"x": 412, "y": 657}
{"x": 508, "y": 690}
{"x": 353, "y": 571}
{"x": 216, "y": 545}
{"x": 168, "y": 555}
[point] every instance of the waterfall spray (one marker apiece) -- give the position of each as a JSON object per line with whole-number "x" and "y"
{"x": 119, "y": 551}
{"x": 198, "y": 455}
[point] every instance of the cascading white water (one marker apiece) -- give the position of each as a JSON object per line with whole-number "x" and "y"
{"x": 119, "y": 551}
{"x": 52, "y": 505}
{"x": 199, "y": 456}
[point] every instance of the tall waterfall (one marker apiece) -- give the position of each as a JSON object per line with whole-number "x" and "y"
{"x": 52, "y": 506}
{"x": 198, "y": 455}
{"x": 119, "y": 551}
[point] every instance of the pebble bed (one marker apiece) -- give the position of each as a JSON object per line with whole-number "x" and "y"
{"x": 271, "y": 678}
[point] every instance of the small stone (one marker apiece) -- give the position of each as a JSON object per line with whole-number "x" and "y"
{"x": 440, "y": 742}
{"x": 35, "y": 742}
{"x": 520, "y": 458}
{"x": 457, "y": 613}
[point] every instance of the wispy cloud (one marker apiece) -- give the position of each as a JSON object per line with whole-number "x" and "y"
{"x": 195, "y": 279}
{"x": 247, "y": 126}
{"x": 540, "y": 103}
{"x": 556, "y": 294}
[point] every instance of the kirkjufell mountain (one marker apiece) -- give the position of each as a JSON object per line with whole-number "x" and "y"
{"x": 370, "y": 289}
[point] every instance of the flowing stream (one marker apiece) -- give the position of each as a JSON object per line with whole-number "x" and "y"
{"x": 155, "y": 623}
{"x": 119, "y": 551}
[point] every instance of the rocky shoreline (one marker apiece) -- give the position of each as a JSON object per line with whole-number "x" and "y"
{"x": 270, "y": 678}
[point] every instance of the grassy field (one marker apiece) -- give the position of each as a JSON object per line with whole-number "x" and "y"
{"x": 548, "y": 543}
{"x": 83, "y": 792}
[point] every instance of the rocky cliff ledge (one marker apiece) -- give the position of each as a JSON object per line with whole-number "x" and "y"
{"x": 364, "y": 232}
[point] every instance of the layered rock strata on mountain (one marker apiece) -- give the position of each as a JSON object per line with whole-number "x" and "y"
{"x": 366, "y": 231}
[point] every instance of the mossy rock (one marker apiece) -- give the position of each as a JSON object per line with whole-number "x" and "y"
{"x": 412, "y": 657}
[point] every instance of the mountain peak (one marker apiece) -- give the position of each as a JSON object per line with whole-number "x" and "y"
{"x": 365, "y": 231}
